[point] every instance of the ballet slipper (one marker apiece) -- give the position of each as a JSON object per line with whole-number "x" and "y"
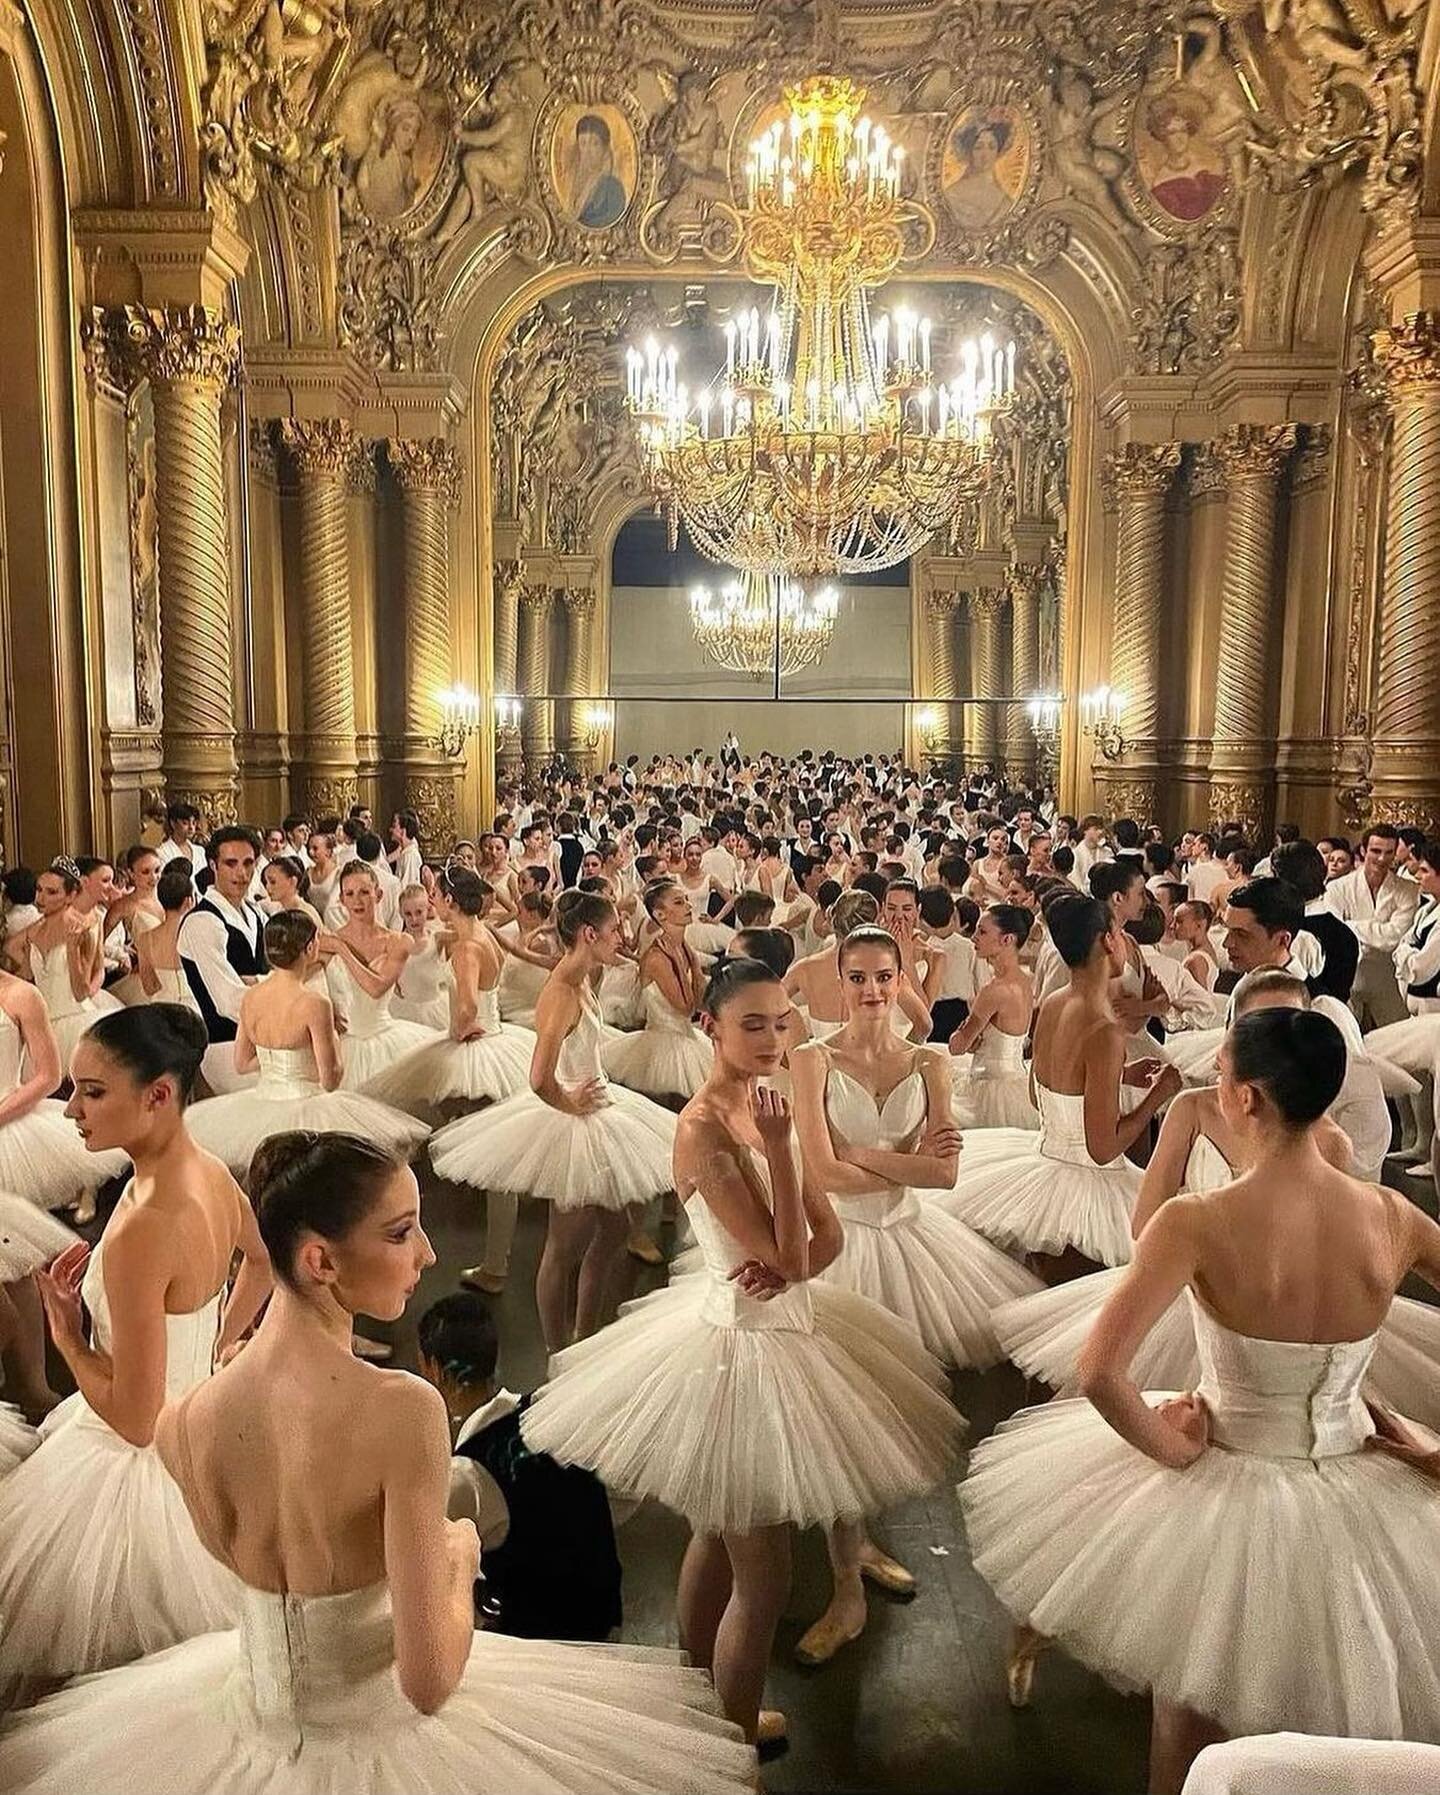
{"x": 84, "y": 1211}
{"x": 477, "y": 1277}
{"x": 820, "y": 1644}
{"x": 374, "y": 1350}
{"x": 771, "y": 1727}
{"x": 642, "y": 1247}
{"x": 886, "y": 1573}
{"x": 1026, "y": 1646}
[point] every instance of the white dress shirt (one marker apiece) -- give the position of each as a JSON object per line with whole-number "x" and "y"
{"x": 1380, "y": 920}
{"x": 173, "y": 850}
{"x": 408, "y": 863}
{"x": 202, "y": 941}
{"x": 474, "y": 1494}
{"x": 1417, "y": 959}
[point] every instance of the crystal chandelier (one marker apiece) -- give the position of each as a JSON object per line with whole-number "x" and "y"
{"x": 826, "y": 446}
{"x": 760, "y": 620}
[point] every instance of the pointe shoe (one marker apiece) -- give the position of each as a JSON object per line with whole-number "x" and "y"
{"x": 643, "y": 1248}
{"x": 771, "y": 1727}
{"x": 820, "y": 1644}
{"x": 476, "y": 1277}
{"x": 1401, "y": 1152}
{"x": 887, "y": 1574}
{"x": 374, "y": 1350}
{"x": 1020, "y": 1680}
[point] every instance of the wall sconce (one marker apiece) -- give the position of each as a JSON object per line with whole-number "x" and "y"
{"x": 459, "y": 719}
{"x": 1044, "y": 713}
{"x": 1101, "y": 712}
{"x": 596, "y": 720}
{"x": 507, "y": 711}
{"x": 927, "y": 722}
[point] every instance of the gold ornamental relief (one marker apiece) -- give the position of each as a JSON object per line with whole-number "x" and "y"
{"x": 425, "y": 464}
{"x": 1410, "y": 352}
{"x": 319, "y": 445}
{"x": 193, "y": 343}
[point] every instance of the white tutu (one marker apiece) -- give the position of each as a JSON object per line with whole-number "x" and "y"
{"x": 935, "y": 1273}
{"x": 493, "y": 1067}
{"x": 519, "y": 988}
{"x": 43, "y": 1159}
{"x": 303, "y": 1700}
{"x": 29, "y": 1238}
{"x": 365, "y": 1057}
{"x": 1287, "y": 1578}
{"x": 1413, "y": 1045}
{"x": 288, "y": 1095}
{"x": 429, "y": 1012}
{"x": 669, "y": 1057}
{"x": 1022, "y": 1197}
{"x": 18, "y": 1439}
{"x": 613, "y": 1157}
{"x": 622, "y": 1001}
{"x": 992, "y": 1085}
{"x": 738, "y": 1427}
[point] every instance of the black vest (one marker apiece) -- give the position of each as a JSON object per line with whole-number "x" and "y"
{"x": 557, "y": 1576}
{"x": 248, "y": 961}
{"x": 1419, "y": 935}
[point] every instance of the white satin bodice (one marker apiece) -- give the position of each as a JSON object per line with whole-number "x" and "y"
{"x": 1282, "y": 1399}
{"x": 999, "y": 1056}
{"x": 174, "y": 987}
{"x": 1062, "y": 1127}
{"x": 312, "y": 1662}
{"x": 426, "y": 974}
{"x": 51, "y": 972}
{"x": 725, "y": 1305}
{"x": 1207, "y": 1167}
{"x": 661, "y": 1014}
{"x": 895, "y": 1125}
{"x": 287, "y": 1073}
{"x": 11, "y": 1050}
{"x": 365, "y": 1016}
{"x": 579, "y": 1058}
{"x": 189, "y": 1339}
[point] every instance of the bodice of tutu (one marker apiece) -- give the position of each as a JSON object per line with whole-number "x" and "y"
{"x": 1282, "y": 1399}
{"x": 894, "y": 1125}
{"x": 1207, "y": 1167}
{"x": 725, "y": 1304}
{"x": 303, "y": 1657}
{"x": 999, "y": 1055}
{"x": 287, "y": 1072}
{"x": 1062, "y": 1127}
{"x": 426, "y": 974}
{"x": 51, "y": 972}
{"x": 11, "y": 1048}
{"x": 364, "y": 1015}
{"x": 579, "y": 1058}
{"x": 487, "y": 1010}
{"x": 189, "y": 1339}
{"x": 661, "y": 1014}
{"x": 174, "y": 987}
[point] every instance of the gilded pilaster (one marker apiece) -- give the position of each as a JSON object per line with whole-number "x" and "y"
{"x": 578, "y": 604}
{"x": 188, "y": 354}
{"x": 1406, "y": 771}
{"x": 940, "y": 613}
{"x": 427, "y": 470}
{"x": 509, "y": 583}
{"x": 1140, "y": 475}
{"x": 1242, "y": 751}
{"x": 1025, "y": 583}
{"x": 537, "y": 723}
{"x": 322, "y": 451}
{"x": 982, "y": 743}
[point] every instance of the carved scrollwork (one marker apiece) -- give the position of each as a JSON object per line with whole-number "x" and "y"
{"x": 387, "y": 301}
{"x": 192, "y": 343}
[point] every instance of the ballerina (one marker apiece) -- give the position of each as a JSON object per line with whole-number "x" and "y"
{"x": 136, "y": 912}
{"x": 1108, "y": 1523}
{"x": 753, "y": 1397}
{"x": 319, "y": 1486}
{"x": 993, "y": 1089}
{"x": 1070, "y": 1187}
{"x": 669, "y": 1059}
{"x": 522, "y": 978}
{"x": 423, "y": 993}
{"x": 588, "y": 1148}
{"x": 814, "y": 983}
{"x": 287, "y": 887}
{"x": 873, "y": 1116}
{"x": 61, "y": 954}
{"x": 366, "y": 962}
{"x": 98, "y": 1560}
{"x": 287, "y": 1032}
{"x": 157, "y": 952}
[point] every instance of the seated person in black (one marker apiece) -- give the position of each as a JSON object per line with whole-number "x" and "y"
{"x": 1301, "y": 866}
{"x": 548, "y": 1564}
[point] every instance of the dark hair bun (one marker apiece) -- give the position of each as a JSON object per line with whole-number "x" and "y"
{"x": 154, "y": 1040}
{"x": 302, "y": 1182}
{"x": 732, "y": 976}
{"x": 1298, "y": 1058}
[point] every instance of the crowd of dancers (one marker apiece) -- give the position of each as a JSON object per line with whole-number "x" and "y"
{"x": 923, "y": 1075}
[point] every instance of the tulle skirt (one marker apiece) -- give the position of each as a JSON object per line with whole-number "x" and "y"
{"x": 429, "y": 1012}
{"x": 99, "y": 1559}
{"x": 233, "y": 1126}
{"x": 29, "y": 1238}
{"x": 660, "y": 1062}
{"x": 527, "y": 1718}
{"x": 1413, "y": 1045}
{"x": 69, "y": 1027}
{"x": 1018, "y": 1197}
{"x": 613, "y": 1157}
{"x": 737, "y": 1428}
{"x": 936, "y": 1274}
{"x": 993, "y": 1099}
{"x": 1263, "y": 1592}
{"x": 365, "y": 1057}
{"x": 622, "y": 999}
{"x": 1043, "y": 1335}
{"x": 43, "y": 1159}
{"x": 493, "y": 1067}
{"x": 18, "y": 1439}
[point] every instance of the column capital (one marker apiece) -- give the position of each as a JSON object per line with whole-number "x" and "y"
{"x": 1410, "y": 353}
{"x": 1025, "y": 582}
{"x": 360, "y": 466}
{"x": 260, "y": 449}
{"x": 425, "y": 464}
{"x": 193, "y": 344}
{"x": 1256, "y": 451}
{"x": 986, "y": 603}
{"x": 1139, "y": 470}
{"x": 509, "y": 575}
{"x": 1207, "y": 472}
{"x": 941, "y": 605}
{"x": 319, "y": 445}
{"x": 537, "y": 600}
{"x": 579, "y": 601}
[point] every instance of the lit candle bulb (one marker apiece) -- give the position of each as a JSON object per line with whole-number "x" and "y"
{"x": 705, "y": 401}
{"x": 925, "y": 345}
{"x": 729, "y": 347}
{"x": 944, "y": 407}
{"x": 727, "y": 411}
{"x": 1010, "y": 366}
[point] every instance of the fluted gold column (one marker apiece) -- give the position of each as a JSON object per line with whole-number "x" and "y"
{"x": 578, "y": 603}
{"x": 940, "y": 610}
{"x": 1242, "y": 754}
{"x": 985, "y": 608}
{"x": 322, "y": 450}
{"x": 537, "y": 722}
{"x": 1025, "y": 582}
{"x": 188, "y": 354}
{"x": 1406, "y": 769}
{"x": 428, "y": 472}
{"x": 1141, "y": 474}
{"x": 509, "y": 582}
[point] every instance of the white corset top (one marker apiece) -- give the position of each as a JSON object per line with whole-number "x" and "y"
{"x": 725, "y": 1304}
{"x": 1207, "y": 1167}
{"x": 661, "y": 1014}
{"x": 999, "y": 1056}
{"x": 51, "y": 972}
{"x": 1282, "y": 1399}
{"x": 1062, "y": 1127}
{"x": 579, "y": 1058}
{"x": 11, "y": 1048}
{"x": 189, "y": 1339}
{"x": 895, "y": 1125}
{"x": 304, "y": 1660}
{"x": 287, "y": 1073}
